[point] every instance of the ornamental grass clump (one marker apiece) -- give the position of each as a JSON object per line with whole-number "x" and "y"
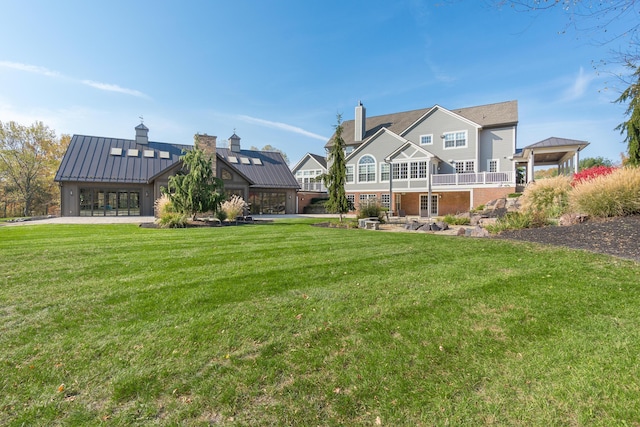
{"x": 234, "y": 207}
{"x": 613, "y": 194}
{"x": 166, "y": 215}
{"x": 547, "y": 198}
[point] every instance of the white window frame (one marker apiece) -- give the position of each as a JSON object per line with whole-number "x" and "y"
{"x": 351, "y": 198}
{"x": 370, "y": 169}
{"x": 384, "y": 200}
{"x": 465, "y": 166}
{"x": 497, "y": 162}
{"x": 456, "y": 137}
{"x": 349, "y": 172}
{"x": 429, "y": 137}
{"x": 384, "y": 170}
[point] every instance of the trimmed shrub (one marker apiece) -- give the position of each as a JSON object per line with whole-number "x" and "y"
{"x": 547, "y": 198}
{"x": 370, "y": 209}
{"x": 587, "y": 174}
{"x": 613, "y": 194}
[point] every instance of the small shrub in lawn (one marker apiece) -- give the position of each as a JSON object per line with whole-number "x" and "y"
{"x": 456, "y": 220}
{"x": 513, "y": 195}
{"x": 614, "y": 194}
{"x": 478, "y": 208}
{"x": 221, "y": 215}
{"x": 587, "y": 174}
{"x": 370, "y": 209}
{"x": 548, "y": 197}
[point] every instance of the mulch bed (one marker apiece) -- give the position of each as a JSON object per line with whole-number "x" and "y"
{"x": 618, "y": 236}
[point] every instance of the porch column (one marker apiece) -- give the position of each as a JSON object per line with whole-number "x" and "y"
{"x": 576, "y": 160}
{"x": 429, "y": 188}
{"x": 530, "y": 166}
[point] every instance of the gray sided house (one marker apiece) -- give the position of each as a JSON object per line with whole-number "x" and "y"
{"x": 101, "y": 176}
{"x": 307, "y": 172}
{"x": 436, "y": 161}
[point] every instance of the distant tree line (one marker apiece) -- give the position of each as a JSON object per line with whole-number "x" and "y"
{"x": 29, "y": 159}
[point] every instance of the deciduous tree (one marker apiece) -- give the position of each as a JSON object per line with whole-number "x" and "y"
{"x": 29, "y": 158}
{"x": 195, "y": 189}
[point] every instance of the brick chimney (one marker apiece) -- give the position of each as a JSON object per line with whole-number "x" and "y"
{"x": 142, "y": 134}
{"x": 207, "y": 143}
{"x": 360, "y": 124}
{"x": 234, "y": 143}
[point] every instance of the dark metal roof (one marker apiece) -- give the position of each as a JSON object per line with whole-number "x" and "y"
{"x": 271, "y": 170}
{"x": 89, "y": 159}
{"x": 320, "y": 159}
{"x": 557, "y": 142}
{"x": 490, "y": 115}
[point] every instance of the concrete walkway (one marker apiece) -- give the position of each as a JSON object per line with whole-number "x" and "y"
{"x": 130, "y": 219}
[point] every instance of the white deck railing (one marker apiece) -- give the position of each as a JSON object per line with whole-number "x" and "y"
{"x": 473, "y": 178}
{"x": 312, "y": 186}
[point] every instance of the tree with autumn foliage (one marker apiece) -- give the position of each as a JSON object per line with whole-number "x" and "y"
{"x": 29, "y": 159}
{"x": 195, "y": 189}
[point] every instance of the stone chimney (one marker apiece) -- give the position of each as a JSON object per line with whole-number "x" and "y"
{"x": 360, "y": 122}
{"x": 234, "y": 143}
{"x": 142, "y": 134}
{"x": 207, "y": 143}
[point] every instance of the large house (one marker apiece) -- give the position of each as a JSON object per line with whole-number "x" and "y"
{"x": 101, "y": 176}
{"x": 436, "y": 161}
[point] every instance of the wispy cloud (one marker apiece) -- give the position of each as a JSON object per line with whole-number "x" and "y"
{"x": 282, "y": 126}
{"x": 579, "y": 86}
{"x": 114, "y": 88}
{"x": 30, "y": 68}
{"x": 50, "y": 73}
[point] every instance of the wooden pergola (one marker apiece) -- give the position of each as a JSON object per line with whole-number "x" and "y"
{"x": 561, "y": 152}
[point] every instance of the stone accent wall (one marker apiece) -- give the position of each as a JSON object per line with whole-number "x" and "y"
{"x": 207, "y": 143}
{"x": 483, "y": 195}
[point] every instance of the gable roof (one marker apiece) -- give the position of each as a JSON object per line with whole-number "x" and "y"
{"x": 272, "y": 171}
{"x": 89, "y": 159}
{"x": 322, "y": 161}
{"x": 490, "y": 115}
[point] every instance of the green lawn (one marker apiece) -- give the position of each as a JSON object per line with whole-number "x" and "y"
{"x": 292, "y": 325}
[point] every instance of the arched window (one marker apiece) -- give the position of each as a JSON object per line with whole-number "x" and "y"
{"x": 367, "y": 169}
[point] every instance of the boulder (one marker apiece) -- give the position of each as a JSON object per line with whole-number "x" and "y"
{"x": 479, "y": 232}
{"x": 572, "y": 219}
{"x": 461, "y": 231}
{"x": 443, "y": 225}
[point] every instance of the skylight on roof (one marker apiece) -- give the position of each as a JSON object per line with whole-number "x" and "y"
{"x": 116, "y": 151}
{"x": 245, "y": 160}
{"x": 148, "y": 153}
{"x": 165, "y": 155}
{"x": 257, "y": 161}
{"x": 232, "y": 159}
{"x": 132, "y": 152}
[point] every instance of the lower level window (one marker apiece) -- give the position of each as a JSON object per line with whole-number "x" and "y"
{"x": 384, "y": 200}
{"x": 264, "y": 202}
{"x": 106, "y": 202}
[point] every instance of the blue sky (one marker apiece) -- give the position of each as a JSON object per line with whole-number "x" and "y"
{"x": 278, "y": 71}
